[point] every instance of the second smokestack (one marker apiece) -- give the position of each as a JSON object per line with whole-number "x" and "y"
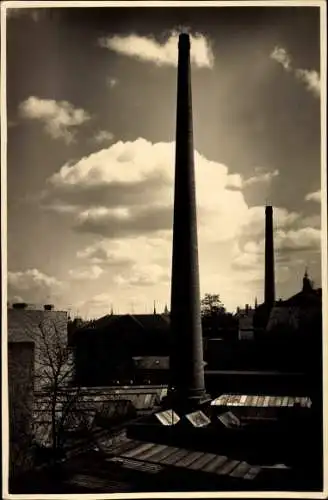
{"x": 269, "y": 280}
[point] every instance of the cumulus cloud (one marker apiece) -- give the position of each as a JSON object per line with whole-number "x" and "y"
{"x": 99, "y": 302}
{"x": 310, "y": 78}
{"x": 104, "y": 303}
{"x": 88, "y": 273}
{"x": 60, "y": 118}
{"x": 302, "y": 239}
{"x": 123, "y": 196}
{"x": 113, "y": 222}
{"x": 140, "y": 261}
{"x": 103, "y": 136}
{"x": 261, "y": 177}
{"x": 128, "y": 189}
{"x": 287, "y": 242}
{"x": 282, "y": 57}
{"x": 315, "y": 196}
{"x": 33, "y": 286}
{"x": 162, "y": 54}
{"x": 153, "y": 274}
{"x": 252, "y": 226}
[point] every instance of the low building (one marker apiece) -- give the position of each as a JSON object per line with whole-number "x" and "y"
{"x": 246, "y": 323}
{"x": 21, "y": 400}
{"x": 151, "y": 369}
{"x": 44, "y": 328}
{"x": 104, "y": 349}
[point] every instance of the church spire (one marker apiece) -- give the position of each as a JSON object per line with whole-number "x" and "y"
{"x": 155, "y": 308}
{"x": 307, "y": 285}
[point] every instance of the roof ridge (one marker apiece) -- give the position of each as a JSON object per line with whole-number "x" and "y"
{"x": 137, "y": 321}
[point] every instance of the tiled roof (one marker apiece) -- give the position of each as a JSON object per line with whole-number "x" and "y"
{"x": 104, "y": 321}
{"x": 304, "y": 299}
{"x": 292, "y": 315}
{"x": 23, "y": 324}
{"x": 151, "y": 322}
{"x": 284, "y": 315}
{"x": 148, "y": 322}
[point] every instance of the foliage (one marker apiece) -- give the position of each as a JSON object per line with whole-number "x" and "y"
{"x": 211, "y": 305}
{"x": 216, "y": 321}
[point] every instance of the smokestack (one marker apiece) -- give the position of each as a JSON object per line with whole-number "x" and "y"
{"x": 269, "y": 286}
{"x": 187, "y": 387}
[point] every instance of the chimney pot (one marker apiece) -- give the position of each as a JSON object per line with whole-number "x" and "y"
{"x": 20, "y": 305}
{"x": 48, "y": 307}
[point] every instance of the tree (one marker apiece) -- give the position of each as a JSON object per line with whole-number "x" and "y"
{"x": 215, "y": 319}
{"x": 211, "y": 305}
{"x": 59, "y": 403}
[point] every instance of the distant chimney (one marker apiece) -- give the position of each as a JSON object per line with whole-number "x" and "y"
{"x": 246, "y": 308}
{"x": 48, "y": 307}
{"x": 269, "y": 284}
{"x": 20, "y": 305}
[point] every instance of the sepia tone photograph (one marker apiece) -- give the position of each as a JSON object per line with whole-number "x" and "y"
{"x": 164, "y": 248}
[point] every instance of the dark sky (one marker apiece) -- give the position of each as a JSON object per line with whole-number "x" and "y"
{"x": 98, "y": 231}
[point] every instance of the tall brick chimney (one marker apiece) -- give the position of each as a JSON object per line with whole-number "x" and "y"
{"x": 269, "y": 280}
{"x": 187, "y": 387}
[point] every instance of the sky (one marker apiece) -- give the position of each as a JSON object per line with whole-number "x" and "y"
{"x": 91, "y": 103}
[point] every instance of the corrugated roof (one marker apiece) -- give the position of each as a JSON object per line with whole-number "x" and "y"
{"x": 261, "y": 401}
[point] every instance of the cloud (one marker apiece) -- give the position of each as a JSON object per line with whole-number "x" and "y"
{"x": 122, "y": 196}
{"x": 103, "y": 303}
{"x": 127, "y": 189}
{"x": 141, "y": 261}
{"x": 282, "y": 57}
{"x": 261, "y": 177}
{"x": 33, "y": 286}
{"x": 113, "y": 222}
{"x": 99, "y": 302}
{"x": 310, "y": 78}
{"x": 111, "y": 82}
{"x": 302, "y": 239}
{"x": 151, "y": 275}
{"x": 103, "y": 136}
{"x": 89, "y": 273}
{"x": 252, "y": 226}
{"x": 287, "y": 243}
{"x": 60, "y": 118}
{"x": 315, "y": 196}
{"x": 162, "y": 54}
